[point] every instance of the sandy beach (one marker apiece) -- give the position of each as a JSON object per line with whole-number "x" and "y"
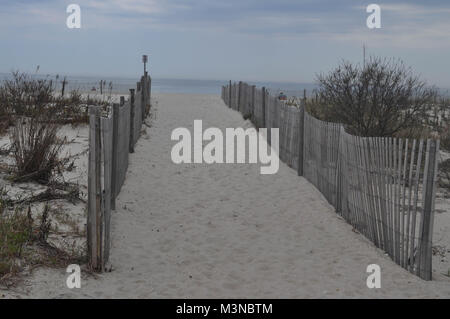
{"x": 225, "y": 230}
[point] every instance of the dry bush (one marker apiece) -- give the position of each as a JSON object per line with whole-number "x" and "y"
{"x": 36, "y": 147}
{"x": 418, "y": 132}
{"x": 24, "y": 95}
{"x": 71, "y": 109}
{"x": 75, "y": 98}
{"x": 5, "y": 122}
{"x": 380, "y": 98}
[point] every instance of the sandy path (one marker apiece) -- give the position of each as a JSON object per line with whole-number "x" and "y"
{"x": 205, "y": 231}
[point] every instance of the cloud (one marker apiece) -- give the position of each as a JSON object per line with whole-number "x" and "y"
{"x": 412, "y": 37}
{"x": 253, "y": 17}
{"x": 194, "y": 37}
{"x": 414, "y": 9}
{"x": 406, "y": 25}
{"x": 121, "y": 6}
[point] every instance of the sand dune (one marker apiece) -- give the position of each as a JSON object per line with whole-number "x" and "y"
{"x": 225, "y": 231}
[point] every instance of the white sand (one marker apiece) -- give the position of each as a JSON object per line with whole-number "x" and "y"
{"x": 225, "y": 231}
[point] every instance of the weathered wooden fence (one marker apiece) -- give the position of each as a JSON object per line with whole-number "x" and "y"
{"x": 384, "y": 187}
{"x": 113, "y": 134}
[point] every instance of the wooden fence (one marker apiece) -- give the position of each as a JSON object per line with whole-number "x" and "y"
{"x": 113, "y": 134}
{"x": 384, "y": 187}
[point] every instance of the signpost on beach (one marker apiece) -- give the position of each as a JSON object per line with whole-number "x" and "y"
{"x": 145, "y": 60}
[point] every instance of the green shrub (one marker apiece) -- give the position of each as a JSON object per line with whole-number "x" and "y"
{"x": 15, "y": 232}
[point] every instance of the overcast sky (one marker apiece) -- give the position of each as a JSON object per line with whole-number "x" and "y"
{"x": 262, "y": 40}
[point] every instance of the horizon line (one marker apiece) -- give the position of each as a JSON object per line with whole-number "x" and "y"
{"x": 164, "y": 77}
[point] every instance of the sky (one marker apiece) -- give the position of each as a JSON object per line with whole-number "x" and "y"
{"x": 250, "y": 40}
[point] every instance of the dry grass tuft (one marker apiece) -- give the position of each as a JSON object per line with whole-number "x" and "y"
{"x": 36, "y": 147}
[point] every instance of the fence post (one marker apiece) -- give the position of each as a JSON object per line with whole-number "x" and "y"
{"x": 115, "y": 140}
{"x": 341, "y": 196}
{"x": 146, "y": 94}
{"x": 426, "y": 225}
{"x": 253, "y": 103}
{"x": 143, "y": 106}
{"x": 301, "y": 136}
{"x": 132, "y": 111}
{"x": 106, "y": 131}
{"x": 94, "y": 219}
{"x": 149, "y": 93}
{"x": 235, "y": 102}
{"x": 122, "y": 100}
{"x": 239, "y": 96}
{"x": 229, "y": 95}
{"x": 263, "y": 107}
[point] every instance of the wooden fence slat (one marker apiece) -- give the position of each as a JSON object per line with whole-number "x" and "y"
{"x": 414, "y": 211}
{"x": 94, "y": 224}
{"x": 402, "y": 204}
{"x": 353, "y": 211}
{"x": 390, "y": 212}
{"x": 367, "y": 189}
{"x": 253, "y": 103}
{"x": 229, "y": 94}
{"x": 421, "y": 240}
{"x": 132, "y": 115}
{"x": 395, "y": 171}
{"x": 239, "y": 96}
{"x": 381, "y": 192}
{"x": 143, "y": 105}
{"x": 373, "y": 157}
{"x": 106, "y": 127}
{"x": 264, "y": 107}
{"x": 426, "y": 225}
{"x": 115, "y": 140}
{"x": 408, "y": 213}
{"x": 360, "y": 197}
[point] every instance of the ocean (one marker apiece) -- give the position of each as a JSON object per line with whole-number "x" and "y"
{"x": 118, "y": 85}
